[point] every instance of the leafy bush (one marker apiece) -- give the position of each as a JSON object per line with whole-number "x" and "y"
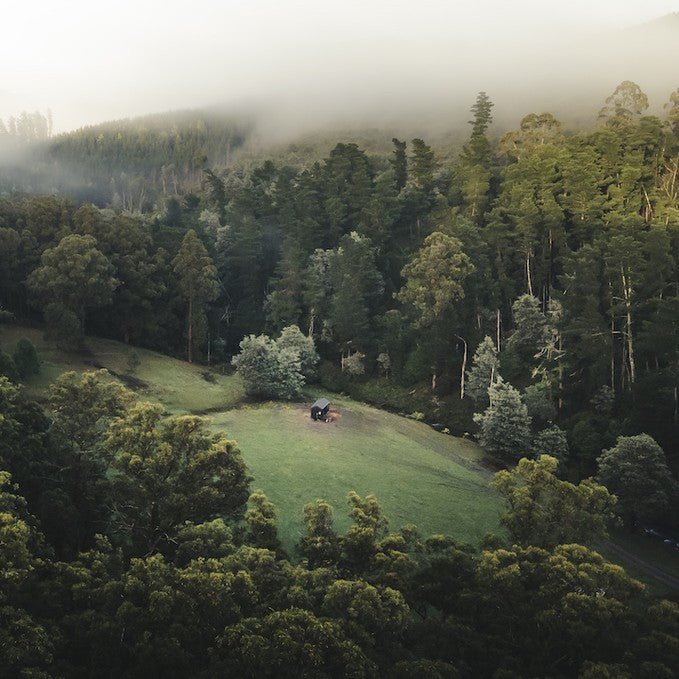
{"x": 267, "y": 370}
{"x": 293, "y": 338}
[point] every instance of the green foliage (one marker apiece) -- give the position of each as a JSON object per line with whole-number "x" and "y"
{"x": 197, "y": 283}
{"x": 267, "y": 370}
{"x": 538, "y": 400}
{"x": 399, "y": 162}
{"x": 357, "y": 288}
{"x": 261, "y": 521}
{"x": 484, "y": 372}
{"x": 545, "y": 511}
{"x": 208, "y": 540}
{"x": 26, "y": 359}
{"x": 320, "y": 544}
{"x": 567, "y": 603}
{"x": 82, "y": 406}
{"x": 359, "y": 543}
{"x": 288, "y": 644}
{"x": 167, "y": 473}
{"x": 26, "y": 644}
{"x": 584, "y": 223}
{"x": 134, "y": 161}
{"x": 292, "y": 338}
{"x": 8, "y": 367}
{"x": 627, "y": 101}
{"x": 434, "y": 276}
{"x": 530, "y": 328}
{"x": 504, "y": 427}
{"x": 552, "y": 441}
{"x": 636, "y": 470}
{"x": 73, "y": 277}
{"x": 353, "y": 364}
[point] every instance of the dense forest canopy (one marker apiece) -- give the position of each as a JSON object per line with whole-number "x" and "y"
{"x": 525, "y": 290}
{"x": 582, "y": 223}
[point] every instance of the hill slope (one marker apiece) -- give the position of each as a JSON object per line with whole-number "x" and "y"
{"x": 419, "y": 475}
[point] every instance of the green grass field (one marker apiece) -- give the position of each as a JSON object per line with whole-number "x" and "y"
{"x": 178, "y": 385}
{"x": 418, "y": 475}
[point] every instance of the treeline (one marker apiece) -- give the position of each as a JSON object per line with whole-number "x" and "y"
{"x": 561, "y": 249}
{"x": 134, "y": 164}
{"x": 131, "y": 546}
{"x": 25, "y": 128}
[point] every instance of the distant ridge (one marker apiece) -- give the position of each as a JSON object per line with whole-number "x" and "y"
{"x": 668, "y": 22}
{"x": 133, "y": 161}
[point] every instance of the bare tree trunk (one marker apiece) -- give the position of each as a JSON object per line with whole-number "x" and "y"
{"x": 560, "y": 399}
{"x": 623, "y": 364}
{"x": 433, "y": 381}
{"x": 497, "y": 331}
{"x": 190, "y": 330}
{"x": 612, "y": 352}
{"x": 648, "y": 209}
{"x": 464, "y": 364}
{"x": 627, "y": 292}
{"x": 529, "y": 278}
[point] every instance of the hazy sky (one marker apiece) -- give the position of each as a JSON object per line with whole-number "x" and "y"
{"x": 93, "y": 60}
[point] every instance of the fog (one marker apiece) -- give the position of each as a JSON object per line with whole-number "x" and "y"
{"x": 305, "y": 64}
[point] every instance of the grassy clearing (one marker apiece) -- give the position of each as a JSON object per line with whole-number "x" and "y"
{"x": 179, "y": 386}
{"x": 418, "y": 475}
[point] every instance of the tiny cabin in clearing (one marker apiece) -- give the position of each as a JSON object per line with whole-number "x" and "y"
{"x": 319, "y": 410}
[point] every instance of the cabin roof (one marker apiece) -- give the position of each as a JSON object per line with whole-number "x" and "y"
{"x": 321, "y": 403}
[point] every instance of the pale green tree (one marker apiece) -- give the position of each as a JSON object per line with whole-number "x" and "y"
{"x": 504, "y": 427}
{"x": 291, "y": 337}
{"x": 484, "y": 372}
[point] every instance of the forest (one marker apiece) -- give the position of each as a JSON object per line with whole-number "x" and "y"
{"x": 523, "y": 292}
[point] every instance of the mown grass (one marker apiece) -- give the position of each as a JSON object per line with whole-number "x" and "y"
{"x": 418, "y": 475}
{"x": 178, "y": 385}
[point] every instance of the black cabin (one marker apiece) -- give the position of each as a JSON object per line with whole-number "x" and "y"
{"x": 319, "y": 410}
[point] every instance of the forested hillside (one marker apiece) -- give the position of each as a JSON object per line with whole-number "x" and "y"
{"x": 562, "y": 248}
{"x": 130, "y": 164}
{"x": 524, "y": 292}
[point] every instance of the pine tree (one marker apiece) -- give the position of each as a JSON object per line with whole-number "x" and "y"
{"x": 484, "y": 372}
{"x": 399, "y": 162}
{"x": 505, "y": 425}
{"x": 197, "y": 283}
